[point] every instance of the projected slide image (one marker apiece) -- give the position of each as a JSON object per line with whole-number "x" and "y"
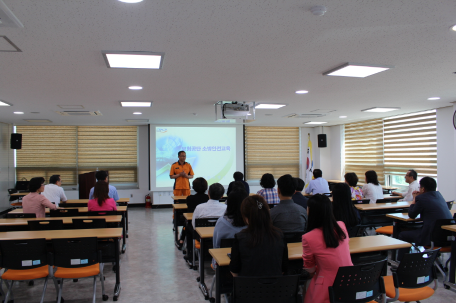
{"x": 210, "y": 150}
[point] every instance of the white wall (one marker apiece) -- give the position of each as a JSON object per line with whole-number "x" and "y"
{"x": 6, "y": 163}
{"x": 446, "y": 153}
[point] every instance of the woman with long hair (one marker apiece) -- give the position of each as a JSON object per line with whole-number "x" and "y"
{"x": 35, "y": 202}
{"x": 259, "y": 249}
{"x": 325, "y": 248}
{"x": 101, "y": 200}
{"x": 372, "y": 190}
{"x": 343, "y": 208}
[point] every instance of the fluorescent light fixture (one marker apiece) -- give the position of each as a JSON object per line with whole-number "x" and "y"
{"x": 137, "y": 120}
{"x": 269, "y": 106}
{"x": 137, "y": 113}
{"x": 71, "y": 106}
{"x": 131, "y": 1}
{"x": 135, "y": 87}
{"x": 342, "y": 117}
{"x": 434, "y": 98}
{"x": 147, "y": 60}
{"x": 38, "y": 120}
{"x": 356, "y": 70}
{"x": 136, "y": 103}
{"x": 18, "y": 113}
{"x": 301, "y": 92}
{"x": 453, "y": 28}
{"x": 3, "y": 103}
{"x": 314, "y": 122}
{"x": 380, "y": 109}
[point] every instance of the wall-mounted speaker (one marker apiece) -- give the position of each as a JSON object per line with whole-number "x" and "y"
{"x": 322, "y": 140}
{"x": 16, "y": 141}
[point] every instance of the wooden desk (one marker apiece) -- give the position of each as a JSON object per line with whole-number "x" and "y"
{"x": 66, "y": 220}
{"x": 382, "y": 206}
{"x": 19, "y": 194}
{"x": 188, "y": 216}
{"x": 388, "y": 188}
{"x": 100, "y": 233}
{"x": 204, "y": 233}
{"x": 180, "y": 206}
{"x": 178, "y": 209}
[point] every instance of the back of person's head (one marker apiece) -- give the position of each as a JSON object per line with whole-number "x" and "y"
{"x": 199, "y": 185}
{"x": 35, "y": 184}
{"x": 352, "y": 179}
{"x": 267, "y": 181}
{"x": 299, "y": 183}
{"x": 255, "y": 212}
{"x": 233, "y": 206}
{"x": 54, "y": 179}
{"x": 428, "y": 184}
{"x": 238, "y": 176}
{"x": 371, "y": 177}
{"x": 101, "y": 192}
{"x": 286, "y": 185}
{"x": 413, "y": 174}
{"x": 321, "y": 216}
{"x": 238, "y": 185}
{"x": 317, "y": 173}
{"x": 343, "y": 208}
{"x": 101, "y": 175}
{"x": 216, "y": 191}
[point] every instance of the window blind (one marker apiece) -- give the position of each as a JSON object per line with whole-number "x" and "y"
{"x": 273, "y": 150}
{"x": 364, "y": 148}
{"x": 410, "y": 142}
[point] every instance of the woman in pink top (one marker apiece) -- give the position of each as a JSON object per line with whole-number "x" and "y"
{"x": 34, "y": 202}
{"x": 101, "y": 200}
{"x": 325, "y": 248}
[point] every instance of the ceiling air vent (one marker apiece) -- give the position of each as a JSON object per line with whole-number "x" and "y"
{"x": 79, "y": 113}
{"x": 306, "y": 116}
{"x": 7, "y": 18}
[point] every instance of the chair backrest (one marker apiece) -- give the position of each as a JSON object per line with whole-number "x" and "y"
{"x": 416, "y": 270}
{"x": 389, "y": 200}
{"x": 23, "y": 215}
{"x": 359, "y": 283}
{"x": 89, "y": 223}
{"x": 45, "y": 224}
{"x": 23, "y": 254}
{"x": 361, "y": 201}
{"x": 104, "y": 213}
{"x": 67, "y": 212}
{"x": 77, "y": 252}
{"x": 226, "y": 242}
{"x": 283, "y": 289}
{"x": 293, "y": 237}
{"x": 450, "y": 204}
{"x": 441, "y": 237}
{"x": 206, "y": 222}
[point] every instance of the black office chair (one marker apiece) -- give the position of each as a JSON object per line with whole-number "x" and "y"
{"x": 450, "y": 204}
{"x": 89, "y": 223}
{"x": 201, "y": 222}
{"x": 21, "y": 215}
{"x": 283, "y": 289}
{"x": 293, "y": 237}
{"x": 104, "y": 213}
{"x": 67, "y": 212}
{"x": 45, "y": 224}
{"x": 360, "y": 283}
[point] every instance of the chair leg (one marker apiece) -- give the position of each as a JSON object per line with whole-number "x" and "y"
{"x": 10, "y": 287}
{"x": 1, "y": 288}
{"x": 439, "y": 267}
{"x": 94, "y": 289}
{"x": 212, "y": 286}
{"x": 193, "y": 262}
{"x": 44, "y": 289}
{"x": 59, "y": 296}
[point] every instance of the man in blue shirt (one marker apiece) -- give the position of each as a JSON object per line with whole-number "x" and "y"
{"x": 103, "y": 176}
{"x": 318, "y": 185}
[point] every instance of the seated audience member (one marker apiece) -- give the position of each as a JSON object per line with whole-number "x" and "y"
{"x": 429, "y": 204}
{"x": 53, "y": 191}
{"x": 34, "y": 202}
{"x": 298, "y": 198}
{"x": 231, "y": 223}
{"x": 287, "y": 215}
{"x": 343, "y": 208}
{"x": 318, "y": 185}
{"x": 260, "y": 249}
{"x": 372, "y": 189}
{"x": 410, "y": 178}
{"x": 101, "y": 200}
{"x": 352, "y": 180}
{"x": 238, "y": 177}
{"x": 199, "y": 186}
{"x": 269, "y": 193}
{"x": 325, "y": 248}
{"x": 103, "y": 176}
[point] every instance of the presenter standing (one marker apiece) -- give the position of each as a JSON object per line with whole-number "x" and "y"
{"x": 181, "y": 172}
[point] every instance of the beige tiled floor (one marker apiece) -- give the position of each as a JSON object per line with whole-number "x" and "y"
{"x": 152, "y": 269}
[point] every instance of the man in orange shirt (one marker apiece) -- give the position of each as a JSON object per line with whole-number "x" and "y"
{"x": 181, "y": 172}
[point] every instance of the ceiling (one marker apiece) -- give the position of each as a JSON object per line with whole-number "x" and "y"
{"x": 256, "y": 50}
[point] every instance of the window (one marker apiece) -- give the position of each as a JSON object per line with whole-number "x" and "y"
{"x": 263, "y": 144}
{"x": 71, "y": 150}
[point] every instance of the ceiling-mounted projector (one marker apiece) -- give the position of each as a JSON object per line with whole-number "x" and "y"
{"x": 235, "y": 109}
{"x": 234, "y": 112}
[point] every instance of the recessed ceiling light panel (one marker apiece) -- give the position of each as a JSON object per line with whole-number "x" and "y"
{"x": 136, "y": 103}
{"x": 434, "y": 98}
{"x": 269, "y": 106}
{"x": 380, "y": 109}
{"x": 145, "y": 60}
{"x": 71, "y": 106}
{"x": 342, "y": 117}
{"x": 137, "y": 120}
{"x": 131, "y": 1}
{"x": 3, "y": 103}
{"x": 38, "y": 120}
{"x": 135, "y": 87}
{"x": 137, "y": 113}
{"x": 453, "y": 28}
{"x": 314, "y": 122}
{"x": 356, "y": 70}
{"x": 18, "y": 113}
{"x": 301, "y": 92}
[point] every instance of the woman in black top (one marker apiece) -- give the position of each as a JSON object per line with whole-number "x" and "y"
{"x": 343, "y": 208}
{"x": 260, "y": 249}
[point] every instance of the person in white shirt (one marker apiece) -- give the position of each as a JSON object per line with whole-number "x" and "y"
{"x": 53, "y": 191}
{"x": 372, "y": 189}
{"x": 410, "y": 178}
{"x": 318, "y": 185}
{"x": 212, "y": 208}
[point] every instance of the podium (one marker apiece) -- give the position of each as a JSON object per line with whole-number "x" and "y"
{"x": 86, "y": 182}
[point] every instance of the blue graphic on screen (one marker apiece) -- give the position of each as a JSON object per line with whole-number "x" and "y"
{"x": 210, "y": 150}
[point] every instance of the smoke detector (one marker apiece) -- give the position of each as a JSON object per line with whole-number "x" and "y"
{"x": 318, "y": 10}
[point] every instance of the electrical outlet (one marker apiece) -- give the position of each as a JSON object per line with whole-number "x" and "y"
{"x": 131, "y": 196}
